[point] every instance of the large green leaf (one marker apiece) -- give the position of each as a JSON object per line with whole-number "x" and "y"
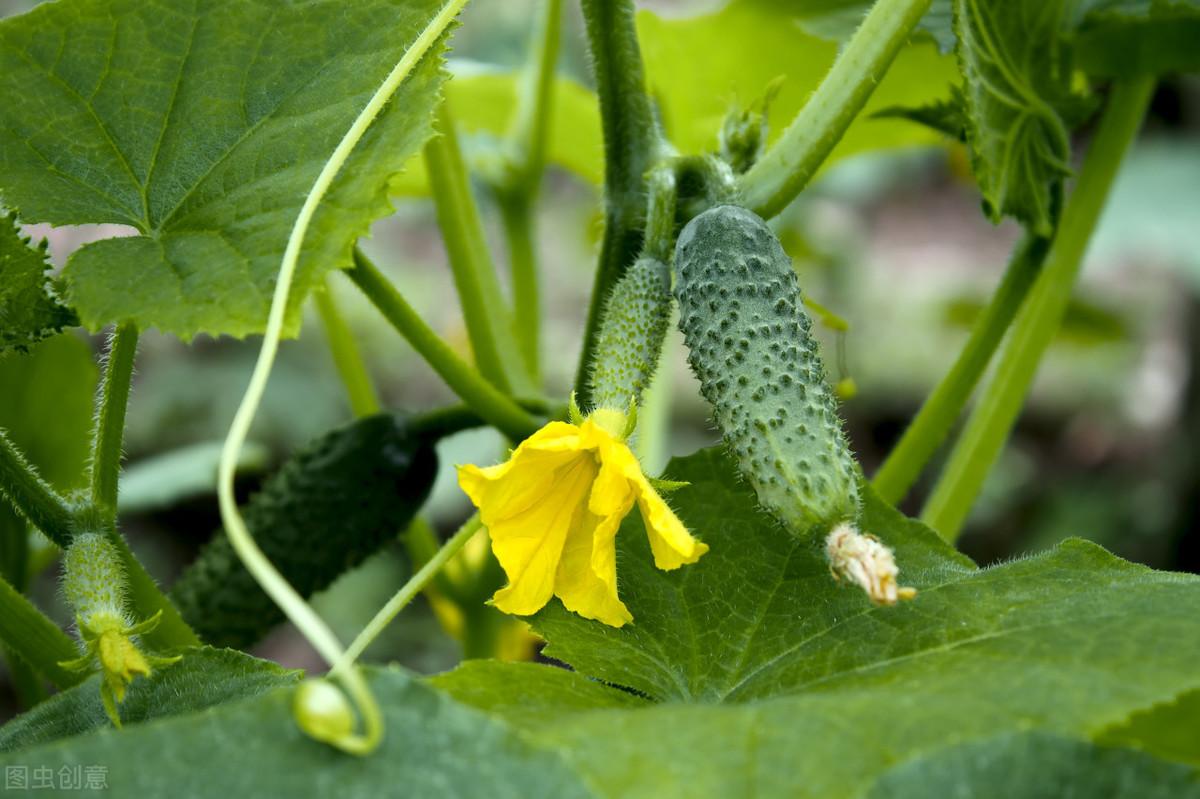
{"x": 204, "y": 678}
{"x": 1037, "y": 766}
{"x": 699, "y": 67}
{"x": 433, "y": 747}
{"x": 29, "y": 312}
{"x": 1017, "y": 91}
{"x": 761, "y": 675}
{"x": 203, "y": 126}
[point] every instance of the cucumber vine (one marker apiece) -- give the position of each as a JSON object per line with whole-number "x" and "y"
{"x": 701, "y": 607}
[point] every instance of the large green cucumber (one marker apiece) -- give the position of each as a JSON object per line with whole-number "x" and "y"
{"x": 750, "y": 344}
{"x": 332, "y": 504}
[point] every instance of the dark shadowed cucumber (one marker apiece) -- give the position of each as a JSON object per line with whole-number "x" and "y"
{"x": 333, "y": 503}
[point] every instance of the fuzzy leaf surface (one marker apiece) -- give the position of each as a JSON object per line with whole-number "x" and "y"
{"x": 203, "y": 126}
{"x": 755, "y": 654}
{"x": 204, "y": 678}
{"x": 433, "y": 747}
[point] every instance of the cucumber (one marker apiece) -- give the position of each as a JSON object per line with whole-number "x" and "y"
{"x": 750, "y": 344}
{"x": 93, "y": 581}
{"x": 331, "y": 505}
{"x": 631, "y": 334}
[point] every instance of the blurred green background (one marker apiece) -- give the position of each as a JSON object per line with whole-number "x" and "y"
{"x": 892, "y": 241}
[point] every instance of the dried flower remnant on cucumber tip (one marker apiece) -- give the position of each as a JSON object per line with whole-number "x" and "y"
{"x": 867, "y": 562}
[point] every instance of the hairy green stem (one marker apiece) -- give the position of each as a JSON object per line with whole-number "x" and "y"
{"x": 31, "y": 496}
{"x": 944, "y": 405}
{"x": 489, "y": 402}
{"x": 631, "y": 144}
{"x": 517, "y": 213}
{"x": 993, "y": 418}
{"x": 406, "y": 593}
{"x": 112, "y": 401}
{"x": 484, "y": 307}
{"x": 364, "y": 400}
{"x": 790, "y": 164}
{"x": 37, "y": 640}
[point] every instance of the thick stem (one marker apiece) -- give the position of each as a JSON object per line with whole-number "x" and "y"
{"x": 631, "y": 144}
{"x": 942, "y": 408}
{"x": 37, "y": 640}
{"x": 31, "y": 496}
{"x": 516, "y": 210}
{"x": 790, "y": 164}
{"x": 993, "y": 418}
{"x": 488, "y": 401}
{"x": 484, "y": 308}
{"x": 112, "y": 400}
{"x": 364, "y": 400}
{"x": 406, "y": 593}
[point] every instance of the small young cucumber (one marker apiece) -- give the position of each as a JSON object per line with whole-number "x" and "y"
{"x": 750, "y": 344}
{"x": 332, "y": 504}
{"x": 631, "y": 334}
{"x": 94, "y": 581}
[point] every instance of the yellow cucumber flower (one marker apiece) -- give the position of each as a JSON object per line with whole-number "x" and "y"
{"x": 553, "y": 510}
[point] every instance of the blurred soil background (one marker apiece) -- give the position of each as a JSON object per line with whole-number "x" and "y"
{"x": 893, "y": 242}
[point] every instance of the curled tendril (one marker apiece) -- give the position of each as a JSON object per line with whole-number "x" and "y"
{"x": 311, "y": 625}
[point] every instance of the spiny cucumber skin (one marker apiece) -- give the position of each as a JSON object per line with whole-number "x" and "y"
{"x": 93, "y": 579}
{"x": 631, "y": 334}
{"x": 750, "y": 344}
{"x": 331, "y": 505}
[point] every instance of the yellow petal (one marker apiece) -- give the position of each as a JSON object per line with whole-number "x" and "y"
{"x": 529, "y": 544}
{"x": 670, "y": 541}
{"x": 587, "y": 575}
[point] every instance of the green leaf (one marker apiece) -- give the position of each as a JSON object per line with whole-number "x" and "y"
{"x": 204, "y": 126}
{"x": 755, "y": 654}
{"x": 205, "y": 678}
{"x": 1017, "y": 86}
{"x": 1124, "y": 38}
{"x": 1037, "y": 766}
{"x": 433, "y": 747}
{"x": 1167, "y": 730}
{"x": 29, "y": 311}
{"x": 699, "y": 67}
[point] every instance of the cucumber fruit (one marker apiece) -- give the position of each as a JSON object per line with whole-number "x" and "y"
{"x": 631, "y": 334}
{"x": 332, "y": 504}
{"x": 750, "y": 344}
